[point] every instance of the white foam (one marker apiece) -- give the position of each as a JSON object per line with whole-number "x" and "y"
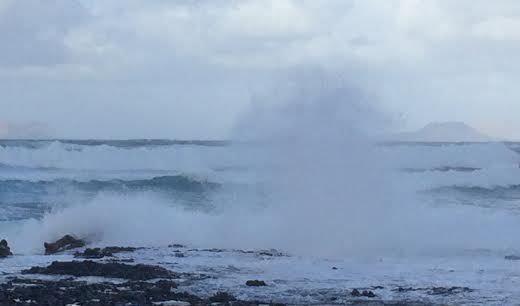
{"x": 323, "y": 188}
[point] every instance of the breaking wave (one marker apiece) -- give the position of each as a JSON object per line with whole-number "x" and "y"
{"x": 318, "y": 182}
{"x": 184, "y": 158}
{"x": 162, "y": 183}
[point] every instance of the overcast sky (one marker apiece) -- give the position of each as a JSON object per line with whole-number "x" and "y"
{"x": 188, "y": 69}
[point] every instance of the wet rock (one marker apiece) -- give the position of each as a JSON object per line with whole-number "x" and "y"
{"x": 67, "y": 242}
{"x": 512, "y": 257}
{"x": 177, "y": 246}
{"x": 115, "y": 249}
{"x": 271, "y": 253}
{"x": 26, "y": 291}
{"x": 222, "y": 297}
{"x": 127, "y": 260}
{"x": 256, "y": 283}
{"x": 368, "y": 294}
{"x": 110, "y": 270}
{"x": 364, "y": 293}
{"x": 172, "y": 303}
{"x": 406, "y": 289}
{"x": 449, "y": 290}
{"x": 457, "y": 169}
{"x": 436, "y": 290}
{"x": 212, "y": 250}
{"x": 96, "y": 253}
{"x": 66, "y": 292}
{"x": 5, "y": 250}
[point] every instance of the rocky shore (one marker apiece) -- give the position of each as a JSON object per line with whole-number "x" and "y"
{"x": 97, "y": 277}
{"x": 137, "y": 285}
{"x": 22, "y": 291}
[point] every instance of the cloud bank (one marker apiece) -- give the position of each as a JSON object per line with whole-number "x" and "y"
{"x": 188, "y": 69}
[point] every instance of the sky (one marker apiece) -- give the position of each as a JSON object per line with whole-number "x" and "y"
{"x": 188, "y": 69}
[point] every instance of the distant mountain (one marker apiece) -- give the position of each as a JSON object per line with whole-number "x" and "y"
{"x": 444, "y": 132}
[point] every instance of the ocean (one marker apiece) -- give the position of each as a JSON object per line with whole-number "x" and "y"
{"x": 340, "y": 215}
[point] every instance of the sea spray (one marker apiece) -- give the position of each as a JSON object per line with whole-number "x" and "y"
{"x": 318, "y": 183}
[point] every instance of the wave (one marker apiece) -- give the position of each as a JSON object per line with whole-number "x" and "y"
{"x": 202, "y": 156}
{"x": 131, "y": 143}
{"x": 508, "y": 192}
{"x": 145, "y": 220}
{"x": 327, "y": 185}
{"x": 488, "y": 178}
{"x": 451, "y": 156}
{"x": 184, "y": 158}
{"x": 7, "y": 167}
{"x": 22, "y": 211}
{"x": 161, "y": 183}
{"x": 442, "y": 169}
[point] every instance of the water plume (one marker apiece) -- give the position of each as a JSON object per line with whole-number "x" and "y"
{"x": 319, "y": 184}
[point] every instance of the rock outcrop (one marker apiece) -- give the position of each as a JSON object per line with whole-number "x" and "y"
{"x": 5, "y": 250}
{"x": 97, "y": 253}
{"x": 30, "y": 292}
{"x": 222, "y": 297}
{"x": 138, "y": 272}
{"x": 256, "y": 283}
{"x": 512, "y": 257}
{"x": 364, "y": 293}
{"x": 67, "y": 242}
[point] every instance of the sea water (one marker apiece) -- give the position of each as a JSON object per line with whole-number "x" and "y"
{"x": 344, "y": 214}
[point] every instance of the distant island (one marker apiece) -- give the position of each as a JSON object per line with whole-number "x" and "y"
{"x": 444, "y": 132}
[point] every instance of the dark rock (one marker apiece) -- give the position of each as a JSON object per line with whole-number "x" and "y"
{"x": 127, "y": 260}
{"x": 271, "y": 253}
{"x": 25, "y": 292}
{"x": 179, "y": 255}
{"x": 66, "y": 292}
{"x": 368, "y": 294}
{"x": 407, "y": 289}
{"x": 110, "y": 270}
{"x": 458, "y": 169}
{"x": 115, "y": 249}
{"x": 67, "y": 242}
{"x": 177, "y": 246}
{"x": 436, "y": 290}
{"x": 512, "y": 257}
{"x": 222, "y": 297}
{"x": 365, "y": 293}
{"x": 256, "y": 283}
{"x": 5, "y": 250}
{"x": 213, "y": 250}
{"x": 96, "y": 253}
{"x": 449, "y": 290}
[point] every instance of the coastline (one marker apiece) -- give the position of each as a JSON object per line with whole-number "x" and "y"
{"x": 125, "y": 277}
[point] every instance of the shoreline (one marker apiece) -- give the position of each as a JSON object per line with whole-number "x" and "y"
{"x": 96, "y": 277}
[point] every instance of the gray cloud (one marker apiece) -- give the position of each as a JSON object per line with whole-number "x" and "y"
{"x": 32, "y": 32}
{"x": 131, "y": 68}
